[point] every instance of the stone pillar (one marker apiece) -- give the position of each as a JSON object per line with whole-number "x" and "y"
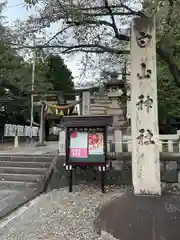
{"x": 16, "y": 138}
{"x": 144, "y": 121}
{"x": 86, "y": 108}
{"x": 118, "y": 140}
{"x": 62, "y": 143}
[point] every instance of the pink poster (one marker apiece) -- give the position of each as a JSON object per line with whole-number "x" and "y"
{"x": 78, "y": 145}
{"x": 78, "y": 153}
{"x": 96, "y": 145}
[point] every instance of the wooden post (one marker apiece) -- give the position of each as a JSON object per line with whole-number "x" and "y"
{"x": 42, "y": 124}
{"x": 102, "y": 180}
{"x": 70, "y": 180}
{"x": 144, "y": 121}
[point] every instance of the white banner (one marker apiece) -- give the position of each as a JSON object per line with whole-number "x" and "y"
{"x": 11, "y": 130}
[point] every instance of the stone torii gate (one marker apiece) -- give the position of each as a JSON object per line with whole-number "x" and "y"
{"x": 144, "y": 118}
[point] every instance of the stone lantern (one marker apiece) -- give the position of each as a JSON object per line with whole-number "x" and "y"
{"x": 114, "y": 92}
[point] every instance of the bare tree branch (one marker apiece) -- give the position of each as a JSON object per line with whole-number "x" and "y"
{"x": 112, "y": 19}
{"x": 107, "y": 14}
{"x": 97, "y": 49}
{"x": 58, "y": 33}
{"x": 103, "y": 8}
{"x": 98, "y": 7}
{"x": 101, "y": 22}
{"x": 92, "y": 48}
{"x": 91, "y": 38}
{"x": 89, "y": 21}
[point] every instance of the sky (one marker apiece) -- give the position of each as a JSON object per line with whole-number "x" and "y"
{"x": 16, "y": 10}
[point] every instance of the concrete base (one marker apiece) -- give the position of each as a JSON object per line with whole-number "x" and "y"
{"x": 16, "y": 142}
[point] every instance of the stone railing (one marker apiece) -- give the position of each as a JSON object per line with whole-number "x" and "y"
{"x": 167, "y": 143}
{"x": 119, "y": 156}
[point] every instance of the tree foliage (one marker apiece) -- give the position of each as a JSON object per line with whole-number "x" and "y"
{"x": 168, "y": 62}
{"x": 16, "y": 78}
{"x": 98, "y": 26}
{"x": 59, "y": 75}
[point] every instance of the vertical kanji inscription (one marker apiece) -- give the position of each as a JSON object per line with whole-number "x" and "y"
{"x": 144, "y": 117}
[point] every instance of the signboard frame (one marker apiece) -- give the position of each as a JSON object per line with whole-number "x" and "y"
{"x": 87, "y": 161}
{"x": 100, "y": 164}
{"x": 89, "y": 124}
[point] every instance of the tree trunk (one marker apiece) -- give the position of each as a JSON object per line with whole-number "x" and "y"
{"x": 173, "y": 68}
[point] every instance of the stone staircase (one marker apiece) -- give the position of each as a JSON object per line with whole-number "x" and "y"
{"x": 24, "y": 171}
{"x": 22, "y": 178}
{"x": 101, "y": 105}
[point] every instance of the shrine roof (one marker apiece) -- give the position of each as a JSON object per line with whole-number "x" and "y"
{"x": 88, "y": 121}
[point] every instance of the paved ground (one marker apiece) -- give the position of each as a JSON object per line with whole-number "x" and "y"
{"x": 138, "y": 217}
{"x": 59, "y": 215}
{"x": 10, "y": 199}
{"x": 88, "y": 214}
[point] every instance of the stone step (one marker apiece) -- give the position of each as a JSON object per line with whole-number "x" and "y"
{"x": 101, "y": 101}
{"x": 24, "y": 158}
{"x": 96, "y": 105}
{"x": 21, "y": 177}
{"x": 114, "y": 112}
{"x": 27, "y": 155}
{"x": 99, "y": 98}
{"x": 98, "y": 109}
{"x": 102, "y": 104}
{"x": 18, "y": 184}
{"x": 97, "y": 113}
{"x": 23, "y": 170}
{"x": 119, "y": 118}
{"x": 24, "y": 164}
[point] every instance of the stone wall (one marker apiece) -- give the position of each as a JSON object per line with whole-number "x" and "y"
{"x": 119, "y": 173}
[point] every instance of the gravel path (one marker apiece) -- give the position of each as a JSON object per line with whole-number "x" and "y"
{"x": 61, "y": 215}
